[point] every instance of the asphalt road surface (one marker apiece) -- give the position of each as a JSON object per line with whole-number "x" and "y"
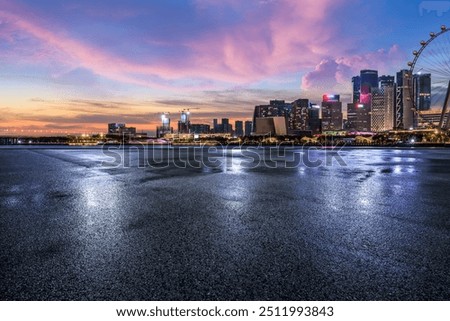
{"x": 82, "y": 224}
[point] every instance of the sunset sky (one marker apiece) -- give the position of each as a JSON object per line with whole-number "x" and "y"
{"x": 74, "y": 66}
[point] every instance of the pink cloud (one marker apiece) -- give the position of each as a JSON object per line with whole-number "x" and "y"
{"x": 333, "y": 74}
{"x": 383, "y": 60}
{"x": 324, "y": 76}
{"x": 271, "y": 38}
{"x": 290, "y": 35}
{"x": 66, "y": 50}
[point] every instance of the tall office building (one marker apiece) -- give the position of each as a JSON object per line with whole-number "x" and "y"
{"x": 239, "y": 128}
{"x": 422, "y": 91}
{"x": 331, "y": 113}
{"x": 383, "y": 106}
{"x": 304, "y": 117}
{"x": 358, "y": 117}
{"x": 356, "y": 81}
{"x": 369, "y": 80}
{"x": 184, "y": 122}
{"x": 315, "y": 123}
{"x": 226, "y": 127}
{"x": 222, "y": 128}
{"x": 404, "y": 114}
{"x": 299, "y": 117}
{"x": 248, "y": 128}
{"x": 359, "y": 111}
{"x": 165, "y": 126}
{"x": 384, "y": 81}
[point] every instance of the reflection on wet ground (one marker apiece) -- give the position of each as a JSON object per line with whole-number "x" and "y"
{"x": 259, "y": 224}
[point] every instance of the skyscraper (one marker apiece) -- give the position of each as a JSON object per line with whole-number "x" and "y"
{"x": 184, "y": 122}
{"x": 223, "y": 128}
{"x": 369, "y": 80}
{"x": 248, "y": 128}
{"x": 315, "y": 123}
{"x": 404, "y": 115}
{"x": 422, "y": 92}
{"x": 331, "y": 112}
{"x": 165, "y": 126}
{"x": 356, "y": 81}
{"x": 358, "y": 117}
{"x": 226, "y": 127}
{"x": 365, "y": 86}
{"x": 239, "y": 128}
{"x": 383, "y": 105}
{"x": 304, "y": 117}
{"x": 299, "y": 117}
{"x": 386, "y": 81}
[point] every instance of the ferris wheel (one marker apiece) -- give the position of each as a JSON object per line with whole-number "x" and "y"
{"x": 430, "y": 76}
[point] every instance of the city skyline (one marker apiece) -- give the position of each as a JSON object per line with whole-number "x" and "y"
{"x": 75, "y": 66}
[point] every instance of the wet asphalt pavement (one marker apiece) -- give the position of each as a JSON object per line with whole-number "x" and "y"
{"x": 72, "y": 228}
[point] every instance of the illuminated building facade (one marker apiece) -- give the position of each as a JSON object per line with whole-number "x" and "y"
{"x": 332, "y": 117}
{"x": 276, "y": 108}
{"x": 369, "y": 80}
{"x": 358, "y": 117}
{"x": 385, "y": 81}
{"x": 165, "y": 126}
{"x": 304, "y": 117}
{"x": 404, "y": 115}
{"x": 365, "y": 86}
{"x": 356, "y": 82}
{"x": 299, "y": 117}
{"x": 184, "y": 123}
{"x": 315, "y": 123}
{"x": 383, "y": 106}
{"x": 422, "y": 91}
{"x": 431, "y": 118}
